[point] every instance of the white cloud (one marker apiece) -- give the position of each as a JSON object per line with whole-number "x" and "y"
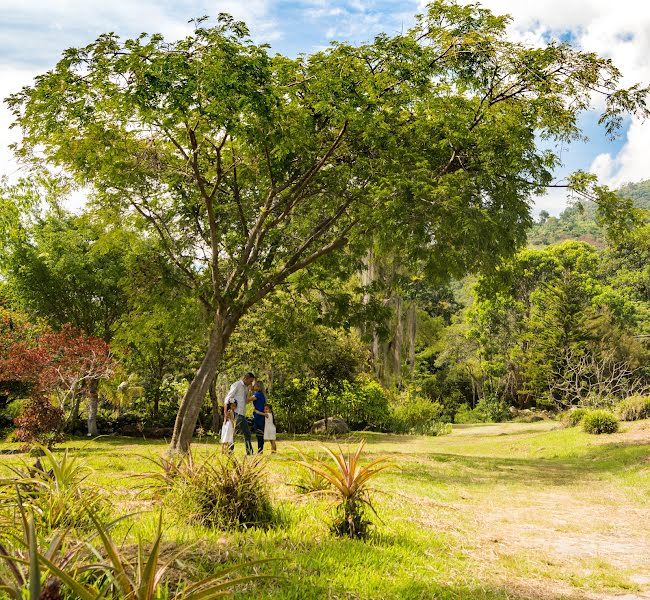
{"x": 618, "y": 30}
{"x": 632, "y": 163}
{"x": 12, "y": 80}
{"x": 33, "y": 33}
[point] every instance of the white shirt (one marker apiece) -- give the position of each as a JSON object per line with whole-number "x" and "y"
{"x": 239, "y": 393}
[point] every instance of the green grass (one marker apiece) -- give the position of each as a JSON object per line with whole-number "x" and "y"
{"x": 516, "y": 510}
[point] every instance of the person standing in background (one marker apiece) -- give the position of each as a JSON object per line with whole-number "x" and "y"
{"x": 259, "y": 420}
{"x": 239, "y": 393}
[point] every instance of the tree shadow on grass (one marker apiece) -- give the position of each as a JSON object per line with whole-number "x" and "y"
{"x": 327, "y": 569}
{"x": 461, "y": 469}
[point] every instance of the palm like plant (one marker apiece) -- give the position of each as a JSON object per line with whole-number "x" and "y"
{"x": 349, "y": 479}
{"x": 21, "y": 572}
{"x": 143, "y": 578}
{"x": 52, "y": 490}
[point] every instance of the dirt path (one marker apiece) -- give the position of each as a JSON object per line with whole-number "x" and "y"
{"x": 559, "y": 538}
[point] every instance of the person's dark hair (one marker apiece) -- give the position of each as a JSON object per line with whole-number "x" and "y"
{"x": 251, "y": 375}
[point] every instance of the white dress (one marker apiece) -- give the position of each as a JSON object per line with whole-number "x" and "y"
{"x": 227, "y": 432}
{"x": 269, "y": 428}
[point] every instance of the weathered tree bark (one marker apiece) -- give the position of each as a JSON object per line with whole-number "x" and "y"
{"x": 93, "y": 405}
{"x": 188, "y": 411}
{"x": 216, "y": 409}
{"x": 412, "y": 331}
{"x": 74, "y": 413}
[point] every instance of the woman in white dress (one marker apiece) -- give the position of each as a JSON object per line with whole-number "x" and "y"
{"x": 269, "y": 427}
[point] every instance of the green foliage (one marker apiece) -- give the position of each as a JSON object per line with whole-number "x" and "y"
{"x": 599, "y": 421}
{"x": 489, "y": 409}
{"x": 633, "y": 408}
{"x": 308, "y": 480}
{"x": 553, "y": 327}
{"x": 349, "y": 480}
{"x": 256, "y": 167}
{"x": 70, "y": 269}
{"x": 363, "y": 403}
{"x": 219, "y": 492}
{"x": 573, "y": 417}
{"x": 55, "y": 491}
{"x": 21, "y": 576}
{"x": 99, "y": 568}
{"x": 412, "y": 413}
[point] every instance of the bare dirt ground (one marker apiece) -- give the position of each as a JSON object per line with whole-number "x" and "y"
{"x": 560, "y": 538}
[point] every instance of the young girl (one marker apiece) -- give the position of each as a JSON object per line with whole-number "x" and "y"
{"x": 228, "y": 429}
{"x": 269, "y": 427}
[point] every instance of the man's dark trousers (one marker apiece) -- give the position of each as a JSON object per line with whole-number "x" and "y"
{"x": 241, "y": 424}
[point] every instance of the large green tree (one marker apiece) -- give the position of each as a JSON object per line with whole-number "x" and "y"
{"x": 65, "y": 269}
{"x": 251, "y": 167}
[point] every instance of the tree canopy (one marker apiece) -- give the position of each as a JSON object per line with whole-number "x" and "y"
{"x": 249, "y": 168}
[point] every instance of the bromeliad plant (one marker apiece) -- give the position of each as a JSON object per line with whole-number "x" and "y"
{"x": 55, "y": 491}
{"x": 92, "y": 570}
{"x": 145, "y": 576}
{"x": 349, "y": 480}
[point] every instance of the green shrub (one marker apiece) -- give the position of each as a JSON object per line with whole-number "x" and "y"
{"x": 55, "y": 490}
{"x": 600, "y": 421}
{"x": 220, "y": 492}
{"x": 415, "y": 414}
{"x": 492, "y": 409}
{"x": 363, "y": 404}
{"x": 634, "y": 408}
{"x": 573, "y": 417}
{"x": 489, "y": 409}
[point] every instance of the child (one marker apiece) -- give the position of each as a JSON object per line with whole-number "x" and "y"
{"x": 228, "y": 429}
{"x": 269, "y": 427}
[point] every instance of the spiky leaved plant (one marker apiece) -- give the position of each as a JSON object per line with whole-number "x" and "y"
{"x": 349, "y": 480}
{"x": 55, "y": 490}
{"x": 143, "y": 577}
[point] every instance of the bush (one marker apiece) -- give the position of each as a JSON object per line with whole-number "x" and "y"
{"x": 634, "y": 408}
{"x": 40, "y": 422}
{"x": 415, "y": 414}
{"x": 55, "y": 490}
{"x": 363, "y": 404}
{"x": 489, "y": 409}
{"x": 599, "y": 421}
{"x": 573, "y": 418}
{"x": 220, "y": 493}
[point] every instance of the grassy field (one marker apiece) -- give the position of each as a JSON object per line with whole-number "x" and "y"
{"x": 491, "y": 511}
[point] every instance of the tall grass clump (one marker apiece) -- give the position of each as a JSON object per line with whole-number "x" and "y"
{"x": 600, "y": 421}
{"x": 573, "y": 417}
{"x": 99, "y": 567}
{"x": 220, "y": 492}
{"x": 634, "y": 408}
{"x": 55, "y": 490}
{"x": 349, "y": 480}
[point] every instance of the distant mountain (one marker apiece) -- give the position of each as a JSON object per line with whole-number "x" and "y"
{"x": 578, "y": 222}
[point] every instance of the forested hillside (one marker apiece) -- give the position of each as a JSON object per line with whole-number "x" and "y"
{"x": 578, "y": 221}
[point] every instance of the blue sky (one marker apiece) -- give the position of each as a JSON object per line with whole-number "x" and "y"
{"x": 33, "y": 34}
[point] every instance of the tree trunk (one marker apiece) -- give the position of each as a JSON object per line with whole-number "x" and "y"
{"x": 74, "y": 413}
{"x": 188, "y": 411}
{"x": 216, "y": 410}
{"x": 93, "y": 404}
{"x": 412, "y": 331}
